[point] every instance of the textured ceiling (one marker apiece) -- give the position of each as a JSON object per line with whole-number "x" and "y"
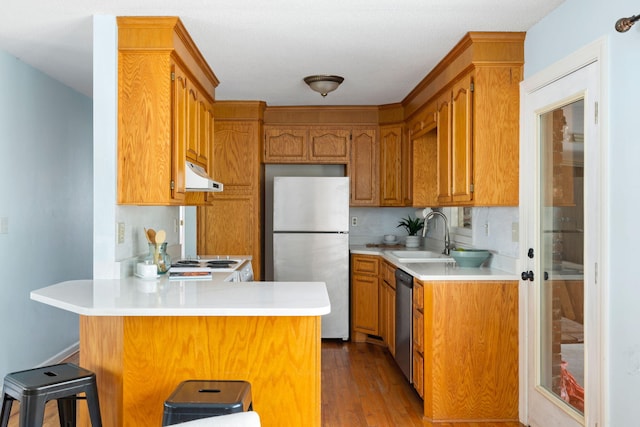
{"x": 261, "y": 50}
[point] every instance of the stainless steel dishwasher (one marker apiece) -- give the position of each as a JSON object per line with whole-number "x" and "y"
{"x": 404, "y": 323}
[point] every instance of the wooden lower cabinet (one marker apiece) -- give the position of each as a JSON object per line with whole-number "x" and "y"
{"x": 364, "y": 296}
{"x": 465, "y": 341}
{"x": 470, "y": 352}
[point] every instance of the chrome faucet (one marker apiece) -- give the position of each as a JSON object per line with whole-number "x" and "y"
{"x": 447, "y": 241}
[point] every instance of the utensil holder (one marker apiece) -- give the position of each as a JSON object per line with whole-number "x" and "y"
{"x": 158, "y": 256}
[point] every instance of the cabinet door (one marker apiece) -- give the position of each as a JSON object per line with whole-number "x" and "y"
{"x": 235, "y": 213}
{"x": 383, "y": 310}
{"x": 365, "y": 303}
{"x": 425, "y": 169}
{"x": 205, "y": 133}
{"x": 418, "y": 373}
{"x": 285, "y": 145}
{"x": 363, "y": 168}
{"x": 193, "y": 113}
{"x": 444, "y": 149}
{"x": 179, "y": 131}
{"x": 236, "y": 151}
{"x": 462, "y": 140}
{"x": 329, "y": 145}
{"x": 391, "y": 166}
{"x": 391, "y": 319}
{"x": 406, "y": 162}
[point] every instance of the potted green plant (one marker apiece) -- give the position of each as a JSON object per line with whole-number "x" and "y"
{"x": 413, "y": 226}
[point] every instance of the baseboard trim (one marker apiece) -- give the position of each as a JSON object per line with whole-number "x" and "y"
{"x": 62, "y": 356}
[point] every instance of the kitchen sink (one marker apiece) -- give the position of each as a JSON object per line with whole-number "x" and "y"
{"x": 421, "y": 256}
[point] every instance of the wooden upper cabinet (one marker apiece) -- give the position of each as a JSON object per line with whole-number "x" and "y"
{"x": 496, "y": 146}
{"x": 425, "y": 168}
{"x": 307, "y": 144}
{"x": 454, "y": 147}
{"x": 193, "y": 145}
{"x": 406, "y": 160}
{"x": 328, "y": 145}
{"x": 444, "y": 148}
{"x": 461, "y": 140}
{"x": 161, "y": 79}
{"x": 205, "y": 134}
{"x": 363, "y": 168}
{"x": 179, "y": 130}
{"x": 236, "y": 157}
{"x": 285, "y": 145}
{"x": 391, "y": 166}
{"x": 476, "y": 89}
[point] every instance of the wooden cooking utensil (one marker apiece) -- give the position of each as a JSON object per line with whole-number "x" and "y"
{"x": 151, "y": 235}
{"x": 160, "y": 236}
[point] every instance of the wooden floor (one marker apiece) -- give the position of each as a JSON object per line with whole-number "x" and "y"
{"x": 361, "y": 386}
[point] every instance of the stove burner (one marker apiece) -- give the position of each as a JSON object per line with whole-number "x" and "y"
{"x": 186, "y": 263}
{"x": 221, "y": 263}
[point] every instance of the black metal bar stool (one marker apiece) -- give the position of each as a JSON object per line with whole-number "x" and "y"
{"x": 33, "y": 388}
{"x": 197, "y": 399}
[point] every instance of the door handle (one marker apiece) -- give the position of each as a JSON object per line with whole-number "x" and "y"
{"x": 527, "y": 275}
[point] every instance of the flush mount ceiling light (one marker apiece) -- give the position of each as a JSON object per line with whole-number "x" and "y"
{"x": 323, "y": 84}
{"x": 624, "y": 24}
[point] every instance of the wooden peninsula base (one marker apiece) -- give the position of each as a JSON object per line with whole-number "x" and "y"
{"x": 140, "y": 360}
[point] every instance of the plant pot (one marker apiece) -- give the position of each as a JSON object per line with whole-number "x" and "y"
{"x": 412, "y": 241}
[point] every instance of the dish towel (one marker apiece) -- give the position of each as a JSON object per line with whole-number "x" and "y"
{"x": 240, "y": 419}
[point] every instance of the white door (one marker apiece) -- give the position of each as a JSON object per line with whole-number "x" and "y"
{"x": 561, "y": 214}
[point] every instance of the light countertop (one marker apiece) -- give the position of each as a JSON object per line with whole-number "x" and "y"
{"x": 163, "y": 297}
{"x": 434, "y": 270}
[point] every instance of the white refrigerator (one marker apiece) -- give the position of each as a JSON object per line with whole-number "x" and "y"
{"x": 311, "y": 240}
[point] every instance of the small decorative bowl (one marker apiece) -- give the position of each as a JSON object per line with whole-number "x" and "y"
{"x": 470, "y": 258}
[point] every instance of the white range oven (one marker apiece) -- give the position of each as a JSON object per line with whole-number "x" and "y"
{"x": 239, "y": 268}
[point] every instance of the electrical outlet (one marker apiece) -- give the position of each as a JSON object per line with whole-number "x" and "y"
{"x": 354, "y": 221}
{"x": 486, "y": 229}
{"x": 4, "y": 225}
{"x": 121, "y": 230}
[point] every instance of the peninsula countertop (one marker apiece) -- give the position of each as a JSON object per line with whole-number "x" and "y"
{"x": 133, "y": 296}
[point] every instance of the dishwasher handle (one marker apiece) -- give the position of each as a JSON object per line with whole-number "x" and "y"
{"x": 403, "y": 278}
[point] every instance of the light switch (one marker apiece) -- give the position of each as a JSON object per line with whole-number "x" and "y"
{"x": 4, "y": 225}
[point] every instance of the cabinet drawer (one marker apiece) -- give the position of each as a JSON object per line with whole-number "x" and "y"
{"x": 389, "y": 274}
{"x": 365, "y": 264}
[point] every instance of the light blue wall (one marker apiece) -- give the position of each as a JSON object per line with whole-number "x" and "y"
{"x": 574, "y": 24}
{"x": 46, "y": 177}
{"x": 113, "y": 259}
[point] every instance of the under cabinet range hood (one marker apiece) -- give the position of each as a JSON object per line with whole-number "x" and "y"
{"x": 196, "y": 179}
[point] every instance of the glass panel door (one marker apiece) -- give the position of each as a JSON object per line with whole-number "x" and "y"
{"x": 561, "y": 308}
{"x": 560, "y": 213}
